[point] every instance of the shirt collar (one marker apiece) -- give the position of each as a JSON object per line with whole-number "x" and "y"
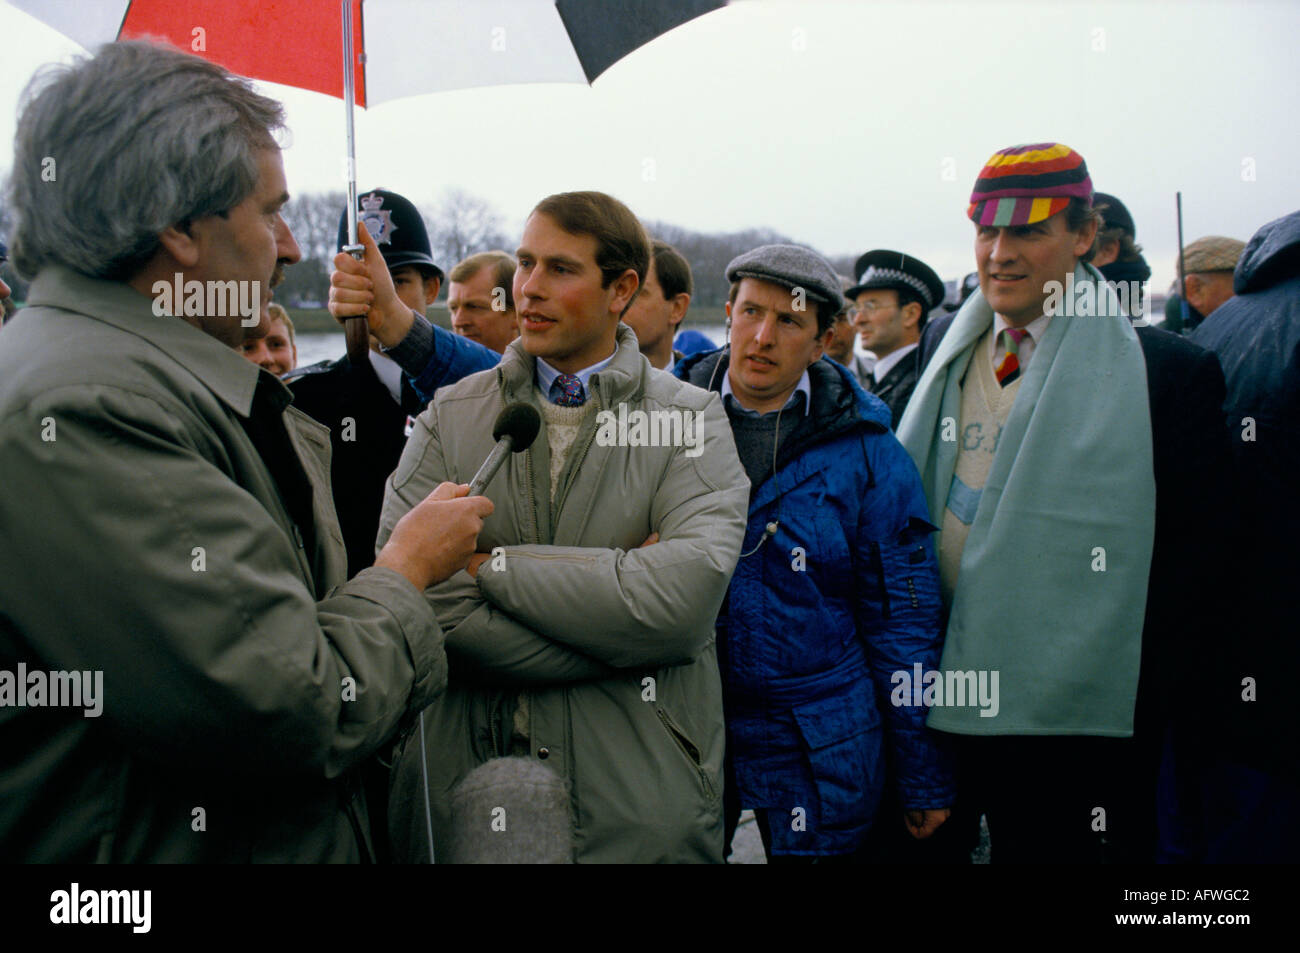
{"x": 1036, "y": 328}
{"x": 803, "y": 387}
{"x": 223, "y": 370}
{"x": 546, "y": 375}
{"x": 886, "y": 364}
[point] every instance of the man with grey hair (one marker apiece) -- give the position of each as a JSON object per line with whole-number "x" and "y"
{"x": 1208, "y": 264}
{"x": 189, "y": 556}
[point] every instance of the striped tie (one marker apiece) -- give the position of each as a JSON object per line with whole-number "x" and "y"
{"x": 573, "y": 396}
{"x": 1009, "y": 369}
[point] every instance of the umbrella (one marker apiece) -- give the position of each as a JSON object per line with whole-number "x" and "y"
{"x": 401, "y": 48}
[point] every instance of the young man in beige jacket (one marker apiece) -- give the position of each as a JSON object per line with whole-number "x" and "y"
{"x": 581, "y": 636}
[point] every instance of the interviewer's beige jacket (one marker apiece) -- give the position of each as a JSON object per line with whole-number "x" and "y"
{"x": 141, "y": 535}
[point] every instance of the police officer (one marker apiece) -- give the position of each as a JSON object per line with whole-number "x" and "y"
{"x": 367, "y": 408}
{"x": 893, "y": 296}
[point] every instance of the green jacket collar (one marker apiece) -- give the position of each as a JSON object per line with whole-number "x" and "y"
{"x": 222, "y": 369}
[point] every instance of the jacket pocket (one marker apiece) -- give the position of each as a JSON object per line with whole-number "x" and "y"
{"x": 691, "y": 751}
{"x": 842, "y": 740}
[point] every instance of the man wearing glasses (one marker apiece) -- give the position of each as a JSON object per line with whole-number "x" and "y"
{"x": 893, "y": 295}
{"x": 841, "y": 350}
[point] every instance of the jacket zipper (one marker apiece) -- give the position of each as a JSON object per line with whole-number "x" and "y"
{"x": 680, "y": 738}
{"x": 532, "y": 498}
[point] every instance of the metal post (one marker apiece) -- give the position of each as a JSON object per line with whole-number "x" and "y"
{"x": 1183, "y": 312}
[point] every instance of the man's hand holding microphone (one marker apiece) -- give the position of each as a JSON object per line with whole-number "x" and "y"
{"x": 437, "y": 537}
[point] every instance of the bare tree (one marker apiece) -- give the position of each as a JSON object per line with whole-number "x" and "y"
{"x": 709, "y": 255}
{"x": 462, "y": 224}
{"x": 314, "y": 220}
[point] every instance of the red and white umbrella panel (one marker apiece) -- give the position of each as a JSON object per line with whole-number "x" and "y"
{"x": 402, "y": 47}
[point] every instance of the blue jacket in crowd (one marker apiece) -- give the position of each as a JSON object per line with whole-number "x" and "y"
{"x": 819, "y": 618}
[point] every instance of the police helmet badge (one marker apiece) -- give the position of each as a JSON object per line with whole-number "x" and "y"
{"x": 377, "y": 219}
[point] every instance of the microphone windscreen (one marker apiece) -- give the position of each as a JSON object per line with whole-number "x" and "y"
{"x": 520, "y": 422}
{"x": 509, "y": 811}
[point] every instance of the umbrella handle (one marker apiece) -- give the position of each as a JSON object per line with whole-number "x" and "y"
{"x": 356, "y": 331}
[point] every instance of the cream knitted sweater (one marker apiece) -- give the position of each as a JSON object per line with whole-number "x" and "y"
{"x": 562, "y": 424}
{"x": 985, "y": 407}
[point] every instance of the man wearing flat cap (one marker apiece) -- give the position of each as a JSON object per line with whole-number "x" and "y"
{"x": 836, "y": 588}
{"x": 891, "y": 299}
{"x": 1208, "y": 264}
{"x": 1077, "y": 468}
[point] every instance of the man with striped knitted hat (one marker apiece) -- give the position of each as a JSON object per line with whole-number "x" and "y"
{"x": 1068, "y": 458}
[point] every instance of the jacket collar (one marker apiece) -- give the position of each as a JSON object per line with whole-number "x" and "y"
{"x": 890, "y": 361}
{"x": 622, "y": 379}
{"x": 224, "y": 371}
{"x": 837, "y": 402}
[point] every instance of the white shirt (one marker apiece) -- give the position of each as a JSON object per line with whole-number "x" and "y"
{"x": 389, "y": 374}
{"x": 1036, "y": 328}
{"x": 886, "y": 363}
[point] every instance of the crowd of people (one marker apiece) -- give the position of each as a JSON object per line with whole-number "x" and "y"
{"x": 1021, "y": 561}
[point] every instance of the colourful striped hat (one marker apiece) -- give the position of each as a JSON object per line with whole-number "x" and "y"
{"x": 1026, "y": 184}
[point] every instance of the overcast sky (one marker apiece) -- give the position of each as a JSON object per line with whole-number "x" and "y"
{"x": 846, "y": 124}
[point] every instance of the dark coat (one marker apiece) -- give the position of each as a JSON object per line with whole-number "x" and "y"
{"x": 1256, "y": 336}
{"x": 895, "y": 389}
{"x": 1183, "y": 633}
{"x": 365, "y": 451}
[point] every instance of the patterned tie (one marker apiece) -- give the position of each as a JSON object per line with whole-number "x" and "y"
{"x": 573, "y": 395}
{"x": 1009, "y": 369}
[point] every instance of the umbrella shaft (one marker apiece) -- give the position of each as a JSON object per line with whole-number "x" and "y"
{"x": 348, "y": 96}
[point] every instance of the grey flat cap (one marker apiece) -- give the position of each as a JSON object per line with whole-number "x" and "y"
{"x": 791, "y": 267}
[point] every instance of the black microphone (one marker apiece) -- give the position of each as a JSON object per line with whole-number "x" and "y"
{"x": 515, "y": 430}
